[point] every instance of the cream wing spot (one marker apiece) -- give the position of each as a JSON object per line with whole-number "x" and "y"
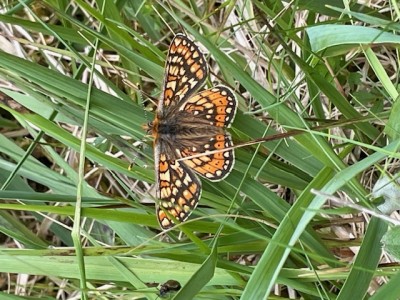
{"x": 195, "y": 53}
{"x": 187, "y": 180}
{"x": 165, "y": 192}
{"x": 192, "y": 82}
{"x": 165, "y": 223}
{"x": 175, "y": 191}
{"x": 171, "y": 85}
{"x": 165, "y": 176}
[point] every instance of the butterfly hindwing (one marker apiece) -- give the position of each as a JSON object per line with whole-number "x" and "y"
{"x": 215, "y": 166}
{"x": 217, "y": 106}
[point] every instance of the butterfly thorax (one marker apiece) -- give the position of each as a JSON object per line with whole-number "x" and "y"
{"x": 183, "y": 126}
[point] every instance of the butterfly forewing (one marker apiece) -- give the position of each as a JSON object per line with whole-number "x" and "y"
{"x": 185, "y": 71}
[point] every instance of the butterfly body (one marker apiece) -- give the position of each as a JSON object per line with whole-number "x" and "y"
{"x": 189, "y": 123}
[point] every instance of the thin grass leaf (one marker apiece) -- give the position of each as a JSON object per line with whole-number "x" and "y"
{"x": 357, "y": 283}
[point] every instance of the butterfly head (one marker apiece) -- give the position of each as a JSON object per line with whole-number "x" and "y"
{"x": 151, "y": 128}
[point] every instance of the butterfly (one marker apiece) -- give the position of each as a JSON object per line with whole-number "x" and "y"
{"x": 189, "y": 123}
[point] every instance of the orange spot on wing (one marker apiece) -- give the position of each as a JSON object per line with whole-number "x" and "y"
{"x": 164, "y": 183}
{"x": 163, "y": 166}
{"x": 221, "y": 110}
{"x": 168, "y": 93}
{"x": 193, "y": 188}
{"x": 200, "y": 74}
{"x": 217, "y": 163}
{"x": 219, "y": 145}
{"x": 214, "y": 96}
{"x": 194, "y": 68}
{"x": 220, "y": 118}
{"x": 219, "y": 155}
